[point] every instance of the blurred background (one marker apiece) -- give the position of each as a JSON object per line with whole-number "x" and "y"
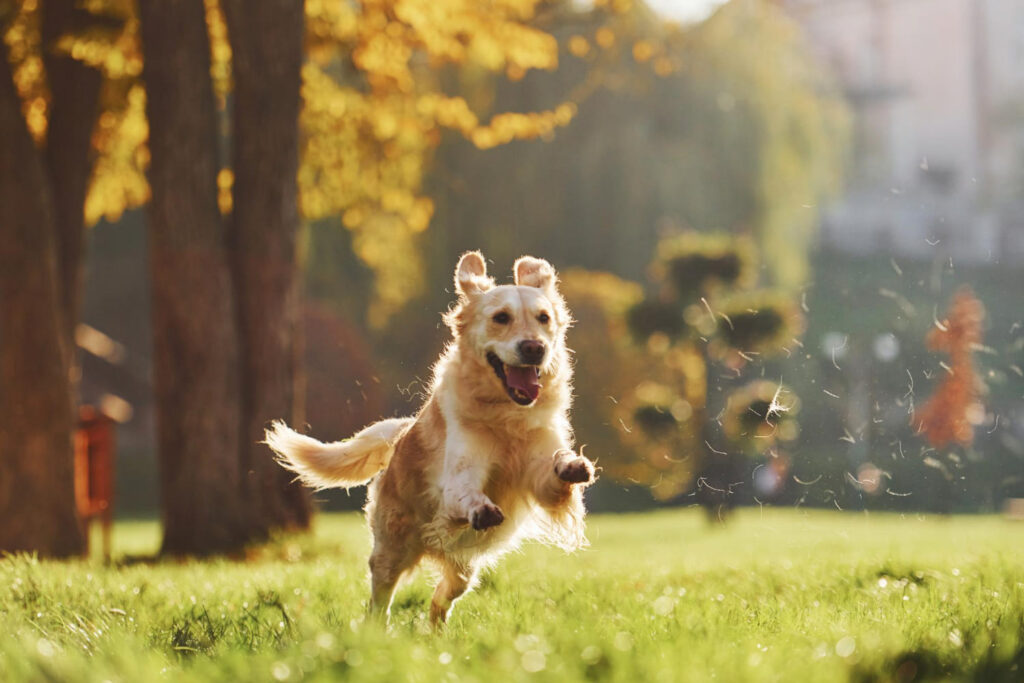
{"x": 792, "y": 231}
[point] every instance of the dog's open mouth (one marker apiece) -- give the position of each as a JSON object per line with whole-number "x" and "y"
{"x": 522, "y": 382}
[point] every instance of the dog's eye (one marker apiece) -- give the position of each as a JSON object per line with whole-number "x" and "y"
{"x": 543, "y": 318}
{"x": 502, "y": 318}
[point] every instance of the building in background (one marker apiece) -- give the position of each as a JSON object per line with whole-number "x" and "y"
{"x": 937, "y": 91}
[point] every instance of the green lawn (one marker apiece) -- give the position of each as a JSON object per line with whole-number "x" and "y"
{"x": 786, "y": 595}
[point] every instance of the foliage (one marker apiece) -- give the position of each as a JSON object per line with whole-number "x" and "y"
{"x": 374, "y": 108}
{"x": 755, "y": 55}
{"x": 656, "y": 377}
{"x": 343, "y": 395}
{"x": 706, "y": 279}
{"x": 608, "y": 398}
{"x": 702, "y": 283}
{"x": 386, "y": 78}
{"x": 760, "y": 415}
{"x": 950, "y": 414}
{"x": 650, "y": 317}
{"x": 373, "y": 114}
{"x": 758, "y": 322}
{"x": 657, "y": 423}
{"x": 697, "y": 264}
{"x": 778, "y": 594}
{"x": 110, "y": 45}
{"x": 22, "y": 37}
{"x": 730, "y": 125}
{"x": 689, "y": 269}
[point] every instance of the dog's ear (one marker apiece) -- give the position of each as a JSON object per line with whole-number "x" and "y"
{"x": 535, "y": 272}
{"x": 471, "y": 274}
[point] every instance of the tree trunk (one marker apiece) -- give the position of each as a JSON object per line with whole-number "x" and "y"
{"x": 266, "y": 43}
{"x": 194, "y": 350}
{"x": 74, "y": 98}
{"x": 37, "y": 502}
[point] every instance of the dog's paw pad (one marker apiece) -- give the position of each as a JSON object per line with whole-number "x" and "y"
{"x": 578, "y": 471}
{"x": 487, "y": 516}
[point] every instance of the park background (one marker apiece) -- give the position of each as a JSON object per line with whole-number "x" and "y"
{"x": 848, "y": 166}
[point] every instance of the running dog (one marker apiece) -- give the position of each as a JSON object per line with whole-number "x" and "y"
{"x": 488, "y": 461}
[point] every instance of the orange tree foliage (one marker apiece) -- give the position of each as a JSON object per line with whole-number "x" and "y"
{"x": 950, "y": 414}
{"x": 374, "y": 105}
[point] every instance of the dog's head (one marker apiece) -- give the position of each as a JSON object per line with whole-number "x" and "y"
{"x": 518, "y": 330}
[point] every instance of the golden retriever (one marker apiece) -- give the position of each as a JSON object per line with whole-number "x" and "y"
{"x": 488, "y": 460}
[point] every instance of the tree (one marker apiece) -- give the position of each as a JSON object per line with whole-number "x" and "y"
{"x": 195, "y": 344}
{"x": 45, "y": 163}
{"x": 266, "y": 49}
{"x": 74, "y": 101}
{"x": 680, "y": 423}
{"x": 704, "y": 305}
{"x": 36, "y": 489}
{"x": 951, "y": 413}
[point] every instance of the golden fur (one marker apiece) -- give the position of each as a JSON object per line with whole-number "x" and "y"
{"x": 476, "y": 470}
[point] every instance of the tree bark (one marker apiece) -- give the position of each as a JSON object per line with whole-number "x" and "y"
{"x": 266, "y": 42}
{"x": 37, "y": 501}
{"x": 194, "y": 350}
{"x": 74, "y": 99}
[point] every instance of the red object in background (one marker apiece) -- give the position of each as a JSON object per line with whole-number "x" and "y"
{"x": 94, "y": 471}
{"x": 950, "y": 414}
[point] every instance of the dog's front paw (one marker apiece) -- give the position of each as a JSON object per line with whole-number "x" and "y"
{"x": 486, "y": 516}
{"x": 579, "y": 470}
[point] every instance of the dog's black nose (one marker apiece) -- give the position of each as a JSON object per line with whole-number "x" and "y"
{"x": 531, "y": 351}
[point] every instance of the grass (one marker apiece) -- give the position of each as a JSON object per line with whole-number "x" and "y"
{"x": 786, "y": 595}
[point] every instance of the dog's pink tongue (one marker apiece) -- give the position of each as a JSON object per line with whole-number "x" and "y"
{"x": 524, "y": 379}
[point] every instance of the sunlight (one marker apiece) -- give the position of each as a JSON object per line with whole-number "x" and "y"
{"x": 685, "y": 11}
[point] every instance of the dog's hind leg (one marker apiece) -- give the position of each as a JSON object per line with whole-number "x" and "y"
{"x": 455, "y": 580}
{"x": 386, "y": 568}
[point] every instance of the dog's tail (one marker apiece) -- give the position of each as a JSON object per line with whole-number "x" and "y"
{"x": 345, "y": 464}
